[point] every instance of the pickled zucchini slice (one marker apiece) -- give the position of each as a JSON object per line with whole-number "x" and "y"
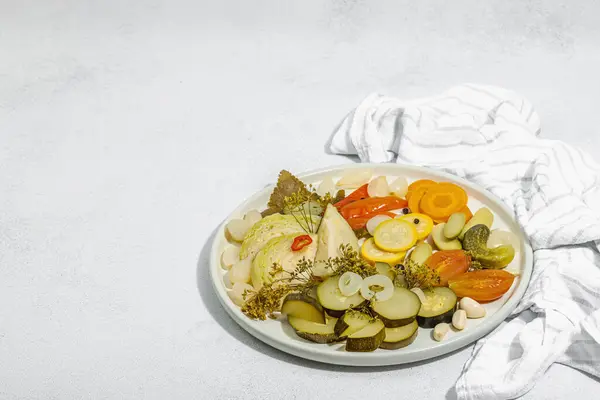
{"x": 402, "y": 336}
{"x": 439, "y": 306}
{"x": 302, "y": 306}
{"x": 371, "y": 252}
{"x": 368, "y": 338}
{"x": 313, "y": 331}
{"x": 395, "y": 235}
{"x": 423, "y": 223}
{"x": 352, "y": 321}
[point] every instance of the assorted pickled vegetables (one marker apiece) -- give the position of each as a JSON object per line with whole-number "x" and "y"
{"x": 424, "y": 260}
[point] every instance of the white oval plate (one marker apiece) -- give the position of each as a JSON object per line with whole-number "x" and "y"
{"x": 280, "y": 335}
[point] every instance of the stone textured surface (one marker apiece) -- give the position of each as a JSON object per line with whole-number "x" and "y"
{"x": 129, "y": 130}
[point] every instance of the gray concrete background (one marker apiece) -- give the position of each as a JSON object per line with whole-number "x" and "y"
{"x": 130, "y": 129}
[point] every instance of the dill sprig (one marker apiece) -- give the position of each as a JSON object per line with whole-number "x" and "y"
{"x": 302, "y": 205}
{"x": 349, "y": 261}
{"x": 418, "y": 275}
{"x": 299, "y": 206}
{"x": 267, "y": 300}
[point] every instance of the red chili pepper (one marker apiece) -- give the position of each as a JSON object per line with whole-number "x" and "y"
{"x": 357, "y": 223}
{"x": 301, "y": 242}
{"x": 359, "y": 194}
{"x": 372, "y": 206}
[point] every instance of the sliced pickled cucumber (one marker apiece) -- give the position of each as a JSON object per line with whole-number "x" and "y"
{"x": 352, "y": 321}
{"x": 402, "y": 336}
{"x": 441, "y": 241}
{"x": 385, "y": 269}
{"x": 313, "y": 331}
{"x": 475, "y": 241}
{"x": 455, "y": 224}
{"x": 421, "y": 253}
{"x": 401, "y": 309}
{"x": 482, "y": 216}
{"x": 330, "y": 297}
{"x": 302, "y": 306}
{"x": 368, "y": 338}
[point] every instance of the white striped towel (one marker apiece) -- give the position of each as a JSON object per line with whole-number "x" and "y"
{"x": 490, "y": 137}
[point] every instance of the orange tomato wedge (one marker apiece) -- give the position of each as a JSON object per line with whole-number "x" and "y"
{"x": 484, "y": 285}
{"x": 449, "y": 263}
{"x": 442, "y": 200}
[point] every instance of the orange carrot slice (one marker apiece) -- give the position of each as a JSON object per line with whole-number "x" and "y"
{"x": 420, "y": 183}
{"x": 415, "y": 198}
{"x": 442, "y": 200}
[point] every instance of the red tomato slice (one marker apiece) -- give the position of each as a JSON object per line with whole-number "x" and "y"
{"x": 483, "y": 285}
{"x": 449, "y": 263}
{"x": 372, "y": 206}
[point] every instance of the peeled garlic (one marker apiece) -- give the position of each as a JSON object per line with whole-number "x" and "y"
{"x": 326, "y": 186}
{"x": 230, "y": 256}
{"x": 399, "y": 187}
{"x": 240, "y": 271}
{"x": 472, "y": 308}
{"x": 252, "y": 216}
{"x": 355, "y": 178}
{"x": 440, "y": 331}
{"x": 237, "y": 229}
{"x": 378, "y": 187}
{"x": 236, "y": 294}
{"x": 226, "y": 281}
{"x": 459, "y": 319}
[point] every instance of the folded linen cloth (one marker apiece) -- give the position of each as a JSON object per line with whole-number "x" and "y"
{"x": 489, "y": 136}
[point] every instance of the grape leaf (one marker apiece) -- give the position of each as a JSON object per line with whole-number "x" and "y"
{"x": 287, "y": 184}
